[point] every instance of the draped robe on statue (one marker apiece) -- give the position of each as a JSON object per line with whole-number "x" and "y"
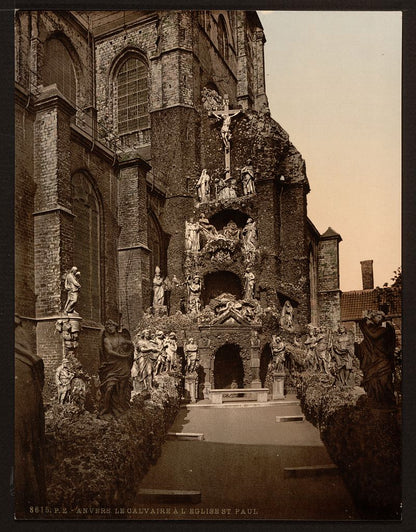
{"x": 376, "y": 354}
{"x": 115, "y": 369}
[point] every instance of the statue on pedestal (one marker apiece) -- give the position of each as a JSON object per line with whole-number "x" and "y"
{"x": 161, "y": 356}
{"x": 171, "y": 348}
{"x": 203, "y": 187}
{"x": 249, "y": 285}
{"x": 192, "y": 235}
{"x": 342, "y": 349}
{"x": 250, "y": 240}
{"x": 255, "y": 340}
{"x": 278, "y": 349}
{"x": 225, "y": 187}
{"x": 286, "y": 317}
{"x": 191, "y": 356}
{"x": 72, "y": 286}
{"x": 158, "y": 289}
{"x": 376, "y": 356}
{"x": 310, "y": 344}
{"x": 63, "y": 379}
{"x": 116, "y": 358}
{"x": 145, "y": 356}
{"x": 323, "y": 353}
{"x": 194, "y": 294}
{"x": 247, "y": 179}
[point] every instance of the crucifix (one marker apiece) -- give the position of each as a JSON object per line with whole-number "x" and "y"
{"x": 226, "y": 115}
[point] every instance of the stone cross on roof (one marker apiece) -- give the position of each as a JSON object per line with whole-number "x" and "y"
{"x": 226, "y": 115}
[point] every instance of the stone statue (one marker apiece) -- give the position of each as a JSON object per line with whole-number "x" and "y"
{"x": 278, "y": 348}
{"x": 192, "y": 230}
{"x": 250, "y": 239}
{"x": 231, "y": 231}
{"x": 255, "y": 340}
{"x": 158, "y": 289}
{"x": 116, "y": 359}
{"x": 310, "y": 344}
{"x": 211, "y": 100}
{"x": 286, "y": 316}
{"x": 376, "y": 356}
{"x": 171, "y": 348}
{"x": 29, "y": 426}
{"x": 145, "y": 355}
{"x": 161, "y": 356}
{"x": 247, "y": 179}
{"x": 203, "y": 187}
{"x": 323, "y": 353}
{"x": 342, "y": 349}
{"x": 207, "y": 229}
{"x": 191, "y": 356}
{"x": 225, "y": 187}
{"x": 63, "y": 379}
{"x": 249, "y": 285}
{"x": 194, "y": 294}
{"x": 69, "y": 329}
{"x": 72, "y": 286}
{"x": 226, "y": 115}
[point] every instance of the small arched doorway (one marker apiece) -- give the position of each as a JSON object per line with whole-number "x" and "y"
{"x": 265, "y": 359}
{"x": 228, "y": 367}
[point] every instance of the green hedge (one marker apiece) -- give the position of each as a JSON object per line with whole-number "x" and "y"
{"x": 364, "y": 443}
{"x": 97, "y": 464}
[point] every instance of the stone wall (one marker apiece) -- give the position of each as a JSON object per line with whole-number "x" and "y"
{"x": 364, "y": 443}
{"x": 96, "y": 464}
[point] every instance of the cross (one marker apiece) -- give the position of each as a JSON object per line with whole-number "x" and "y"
{"x": 226, "y": 115}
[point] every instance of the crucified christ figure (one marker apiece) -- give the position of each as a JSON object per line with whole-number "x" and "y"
{"x": 226, "y": 115}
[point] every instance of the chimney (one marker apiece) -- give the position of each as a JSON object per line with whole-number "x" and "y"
{"x": 367, "y": 274}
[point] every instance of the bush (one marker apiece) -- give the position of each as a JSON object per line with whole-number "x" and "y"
{"x": 363, "y": 442}
{"x": 95, "y": 463}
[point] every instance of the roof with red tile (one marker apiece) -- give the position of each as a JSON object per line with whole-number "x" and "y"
{"x": 353, "y": 303}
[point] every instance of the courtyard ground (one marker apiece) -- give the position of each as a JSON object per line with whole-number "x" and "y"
{"x": 243, "y": 467}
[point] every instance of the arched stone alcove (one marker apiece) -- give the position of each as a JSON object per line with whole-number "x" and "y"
{"x": 228, "y": 367}
{"x": 220, "y": 219}
{"x": 219, "y": 282}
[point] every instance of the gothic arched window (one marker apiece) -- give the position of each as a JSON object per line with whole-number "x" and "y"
{"x": 222, "y": 37}
{"x": 155, "y": 242}
{"x": 58, "y": 68}
{"x": 86, "y": 208}
{"x": 132, "y": 96}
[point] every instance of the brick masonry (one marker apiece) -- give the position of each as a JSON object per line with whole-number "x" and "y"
{"x": 54, "y": 142}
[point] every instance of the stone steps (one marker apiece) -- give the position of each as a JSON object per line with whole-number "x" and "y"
{"x": 243, "y": 404}
{"x": 185, "y": 436}
{"x": 286, "y": 419}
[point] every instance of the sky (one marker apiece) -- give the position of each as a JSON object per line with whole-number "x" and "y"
{"x": 333, "y": 79}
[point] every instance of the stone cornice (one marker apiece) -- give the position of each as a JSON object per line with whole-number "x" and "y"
{"x": 51, "y": 97}
{"x": 137, "y": 161}
{"x": 81, "y": 137}
{"x": 134, "y": 246}
{"x": 56, "y": 208}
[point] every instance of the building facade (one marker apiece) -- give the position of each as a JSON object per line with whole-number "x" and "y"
{"x": 116, "y": 118}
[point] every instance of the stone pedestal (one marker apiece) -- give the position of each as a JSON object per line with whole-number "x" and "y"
{"x": 278, "y": 391}
{"x": 191, "y": 387}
